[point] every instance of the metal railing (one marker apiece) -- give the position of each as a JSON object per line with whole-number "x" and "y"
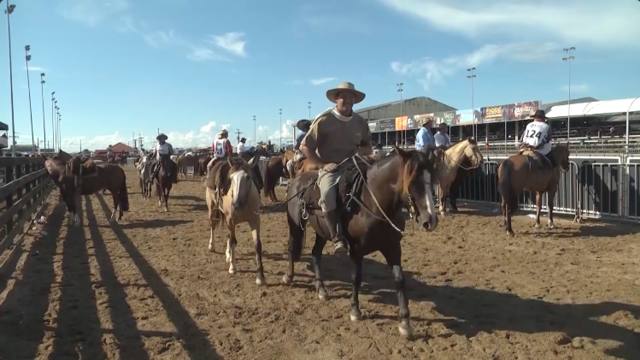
{"x": 594, "y": 186}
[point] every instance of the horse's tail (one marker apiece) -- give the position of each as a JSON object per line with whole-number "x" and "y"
{"x": 124, "y": 194}
{"x": 505, "y": 172}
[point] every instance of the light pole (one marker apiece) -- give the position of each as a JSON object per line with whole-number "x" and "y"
{"x": 44, "y": 127}
{"x": 53, "y": 130}
{"x": 280, "y": 130}
{"x": 27, "y": 58}
{"x": 9, "y": 11}
{"x": 59, "y": 132}
{"x": 255, "y": 130}
{"x": 472, "y": 75}
{"x": 403, "y": 133}
{"x": 309, "y": 109}
{"x": 57, "y": 124}
{"x": 569, "y": 58}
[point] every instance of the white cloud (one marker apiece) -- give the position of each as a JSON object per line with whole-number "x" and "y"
{"x": 232, "y": 42}
{"x": 577, "y": 88}
{"x": 208, "y": 127}
{"x": 591, "y": 22}
{"x": 430, "y": 71}
{"x": 225, "y": 126}
{"x": 33, "y": 68}
{"x": 320, "y": 81}
{"x": 201, "y": 54}
{"x": 160, "y": 38}
{"x": 93, "y": 12}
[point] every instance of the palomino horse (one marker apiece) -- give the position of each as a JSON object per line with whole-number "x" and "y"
{"x": 518, "y": 173}
{"x": 164, "y": 181}
{"x": 238, "y": 201}
{"x": 447, "y": 168}
{"x": 400, "y": 180}
{"x": 75, "y": 178}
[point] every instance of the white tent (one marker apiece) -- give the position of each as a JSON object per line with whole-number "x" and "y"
{"x": 605, "y": 107}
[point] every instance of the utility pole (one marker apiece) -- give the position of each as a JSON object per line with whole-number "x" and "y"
{"x": 27, "y": 58}
{"x": 44, "y": 126}
{"x": 403, "y": 133}
{"x": 472, "y": 75}
{"x": 569, "y": 58}
{"x": 238, "y": 132}
{"x": 9, "y": 11}
{"x": 255, "y": 131}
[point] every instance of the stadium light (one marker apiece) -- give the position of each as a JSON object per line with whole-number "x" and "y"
{"x": 9, "y": 10}
{"x": 27, "y": 58}
{"x": 44, "y": 126}
{"x": 472, "y": 75}
{"x": 568, "y": 59}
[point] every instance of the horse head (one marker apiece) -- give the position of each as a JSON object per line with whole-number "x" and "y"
{"x": 241, "y": 181}
{"x": 417, "y": 171}
{"x": 472, "y": 153}
{"x": 561, "y": 156}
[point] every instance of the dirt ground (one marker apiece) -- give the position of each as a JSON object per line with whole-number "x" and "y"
{"x": 148, "y": 288}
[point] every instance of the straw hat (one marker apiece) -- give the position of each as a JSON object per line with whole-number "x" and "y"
{"x": 345, "y": 86}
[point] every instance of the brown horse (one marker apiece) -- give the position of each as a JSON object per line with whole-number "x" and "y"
{"x": 465, "y": 151}
{"x": 164, "y": 182}
{"x": 238, "y": 202}
{"x": 520, "y": 172}
{"x": 400, "y": 180}
{"x": 275, "y": 170}
{"x": 76, "y": 177}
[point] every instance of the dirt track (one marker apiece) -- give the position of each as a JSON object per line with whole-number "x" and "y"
{"x": 147, "y": 288}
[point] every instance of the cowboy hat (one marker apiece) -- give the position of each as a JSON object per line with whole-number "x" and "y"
{"x": 162, "y": 135}
{"x": 345, "y": 86}
{"x": 303, "y": 124}
{"x": 539, "y": 114}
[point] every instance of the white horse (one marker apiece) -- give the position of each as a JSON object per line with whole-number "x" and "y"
{"x": 144, "y": 171}
{"x": 239, "y": 204}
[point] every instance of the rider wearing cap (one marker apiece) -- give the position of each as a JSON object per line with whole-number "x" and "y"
{"x": 537, "y": 136}
{"x": 334, "y": 137}
{"x": 303, "y": 125}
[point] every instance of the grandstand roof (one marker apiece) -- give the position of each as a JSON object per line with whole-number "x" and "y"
{"x": 593, "y": 108}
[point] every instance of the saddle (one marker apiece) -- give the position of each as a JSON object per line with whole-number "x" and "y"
{"x": 350, "y": 188}
{"x": 535, "y": 159}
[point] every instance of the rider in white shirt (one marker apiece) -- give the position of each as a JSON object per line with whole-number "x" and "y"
{"x": 537, "y": 135}
{"x": 162, "y": 153}
{"x": 441, "y": 137}
{"x": 242, "y": 146}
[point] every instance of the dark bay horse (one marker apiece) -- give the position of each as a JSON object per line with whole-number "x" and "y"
{"x": 400, "y": 180}
{"x": 519, "y": 172}
{"x": 75, "y": 177}
{"x": 164, "y": 179}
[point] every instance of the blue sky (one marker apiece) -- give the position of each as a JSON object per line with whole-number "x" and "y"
{"x": 190, "y": 67}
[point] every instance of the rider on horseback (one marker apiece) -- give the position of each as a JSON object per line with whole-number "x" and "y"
{"x": 303, "y": 125}
{"x": 162, "y": 154}
{"x": 333, "y": 138}
{"x": 536, "y": 139}
{"x": 222, "y": 149}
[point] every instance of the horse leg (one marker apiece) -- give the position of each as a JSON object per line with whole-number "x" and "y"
{"x": 255, "y": 234}
{"x": 230, "y": 255}
{"x": 114, "y": 195}
{"x": 213, "y": 223}
{"x": 508, "y": 210}
{"x": 550, "y": 197}
{"x": 316, "y": 256}
{"x": 356, "y": 278}
{"x": 167, "y": 190}
{"x": 393, "y": 255}
{"x": 538, "y": 208}
{"x": 296, "y": 238}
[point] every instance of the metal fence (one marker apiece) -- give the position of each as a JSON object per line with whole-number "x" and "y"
{"x": 594, "y": 186}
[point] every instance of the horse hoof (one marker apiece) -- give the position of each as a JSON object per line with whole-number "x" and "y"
{"x": 260, "y": 280}
{"x": 536, "y": 226}
{"x": 286, "y": 279}
{"x": 551, "y": 226}
{"x": 355, "y": 315}
{"x": 405, "y": 329}
{"x": 322, "y": 295}
{"x": 510, "y": 233}
{"x": 232, "y": 270}
{"x": 211, "y": 249}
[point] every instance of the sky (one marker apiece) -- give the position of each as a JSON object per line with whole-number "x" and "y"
{"x": 192, "y": 67}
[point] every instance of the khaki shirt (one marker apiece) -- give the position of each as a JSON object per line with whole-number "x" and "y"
{"x": 334, "y": 139}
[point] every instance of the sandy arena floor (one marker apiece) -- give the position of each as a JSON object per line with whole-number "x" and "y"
{"x": 148, "y": 288}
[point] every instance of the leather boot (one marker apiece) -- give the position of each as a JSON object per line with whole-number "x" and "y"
{"x": 336, "y": 231}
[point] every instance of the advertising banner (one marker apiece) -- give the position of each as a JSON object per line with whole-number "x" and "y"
{"x": 385, "y": 125}
{"x": 401, "y": 123}
{"x": 491, "y": 113}
{"x": 523, "y": 110}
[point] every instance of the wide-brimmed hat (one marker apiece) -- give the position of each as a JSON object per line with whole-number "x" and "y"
{"x": 345, "y": 86}
{"x": 162, "y": 136}
{"x": 303, "y": 124}
{"x": 539, "y": 114}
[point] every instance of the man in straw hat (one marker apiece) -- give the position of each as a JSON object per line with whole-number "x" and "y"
{"x": 333, "y": 138}
{"x": 537, "y": 137}
{"x": 162, "y": 153}
{"x": 424, "y": 137}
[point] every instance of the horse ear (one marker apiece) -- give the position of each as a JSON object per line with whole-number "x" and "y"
{"x": 471, "y": 140}
{"x": 404, "y": 154}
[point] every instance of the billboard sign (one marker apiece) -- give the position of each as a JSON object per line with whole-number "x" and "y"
{"x": 401, "y": 123}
